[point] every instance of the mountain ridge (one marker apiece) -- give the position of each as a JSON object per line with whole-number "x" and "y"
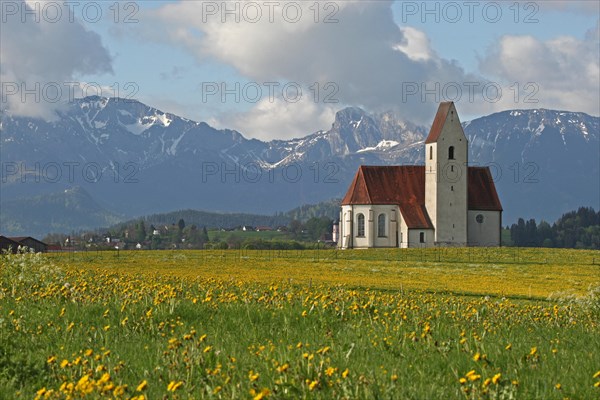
{"x": 136, "y": 160}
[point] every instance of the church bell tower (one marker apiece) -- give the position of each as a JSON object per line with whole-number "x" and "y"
{"x": 446, "y": 176}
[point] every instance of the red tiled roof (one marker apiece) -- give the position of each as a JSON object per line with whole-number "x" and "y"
{"x": 405, "y": 186}
{"x": 438, "y": 122}
{"x": 399, "y": 185}
{"x": 481, "y": 190}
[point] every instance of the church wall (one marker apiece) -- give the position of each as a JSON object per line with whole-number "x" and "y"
{"x": 414, "y": 238}
{"x": 349, "y": 227}
{"x": 392, "y": 215}
{"x": 487, "y": 232}
{"x": 350, "y": 238}
{"x": 403, "y": 234}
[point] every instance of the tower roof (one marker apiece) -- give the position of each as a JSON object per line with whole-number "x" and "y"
{"x": 438, "y": 122}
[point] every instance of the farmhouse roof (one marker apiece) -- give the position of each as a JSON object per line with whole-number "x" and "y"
{"x": 10, "y": 240}
{"x": 404, "y": 186}
{"x": 21, "y": 238}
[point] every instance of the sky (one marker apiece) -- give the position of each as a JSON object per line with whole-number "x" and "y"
{"x": 282, "y": 69}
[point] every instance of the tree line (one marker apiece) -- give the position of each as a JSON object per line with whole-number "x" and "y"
{"x": 575, "y": 229}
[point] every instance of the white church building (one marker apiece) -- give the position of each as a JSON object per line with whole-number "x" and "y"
{"x": 444, "y": 203}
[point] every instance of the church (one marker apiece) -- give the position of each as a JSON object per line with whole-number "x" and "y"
{"x": 443, "y": 203}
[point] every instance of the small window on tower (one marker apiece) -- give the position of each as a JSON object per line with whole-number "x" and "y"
{"x": 431, "y": 152}
{"x": 451, "y": 153}
{"x": 452, "y": 188}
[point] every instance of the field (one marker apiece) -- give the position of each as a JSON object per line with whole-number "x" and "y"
{"x": 243, "y": 235}
{"x": 393, "y": 324}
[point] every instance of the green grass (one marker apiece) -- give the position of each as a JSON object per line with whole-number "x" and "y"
{"x": 243, "y": 235}
{"x": 151, "y": 310}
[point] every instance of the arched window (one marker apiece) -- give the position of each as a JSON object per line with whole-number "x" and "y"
{"x": 431, "y": 152}
{"x": 381, "y": 225}
{"x": 451, "y": 153}
{"x": 360, "y": 221}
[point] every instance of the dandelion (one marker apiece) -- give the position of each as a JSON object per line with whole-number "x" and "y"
{"x": 472, "y": 375}
{"x": 533, "y": 351}
{"x": 104, "y": 379}
{"x": 496, "y": 378}
{"x": 262, "y": 394}
{"x": 119, "y": 390}
{"x": 345, "y": 373}
{"x": 253, "y": 376}
{"x": 283, "y": 368}
{"x": 173, "y": 386}
{"x": 142, "y": 386}
{"x": 313, "y": 385}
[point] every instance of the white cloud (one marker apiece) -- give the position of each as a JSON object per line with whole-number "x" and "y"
{"x": 42, "y": 56}
{"x": 565, "y": 69}
{"x": 416, "y": 45}
{"x": 364, "y": 53}
{"x": 279, "y": 119}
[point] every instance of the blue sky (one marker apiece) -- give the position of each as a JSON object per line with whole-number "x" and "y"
{"x": 379, "y": 55}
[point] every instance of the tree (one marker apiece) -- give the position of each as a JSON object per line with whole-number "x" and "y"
{"x": 545, "y": 234}
{"x": 574, "y": 229}
{"x": 295, "y": 228}
{"x": 181, "y": 224}
{"x": 140, "y": 231}
{"x": 317, "y": 227}
{"x": 530, "y": 233}
{"x": 517, "y": 232}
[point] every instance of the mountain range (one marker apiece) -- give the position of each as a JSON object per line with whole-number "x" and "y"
{"x": 128, "y": 159}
